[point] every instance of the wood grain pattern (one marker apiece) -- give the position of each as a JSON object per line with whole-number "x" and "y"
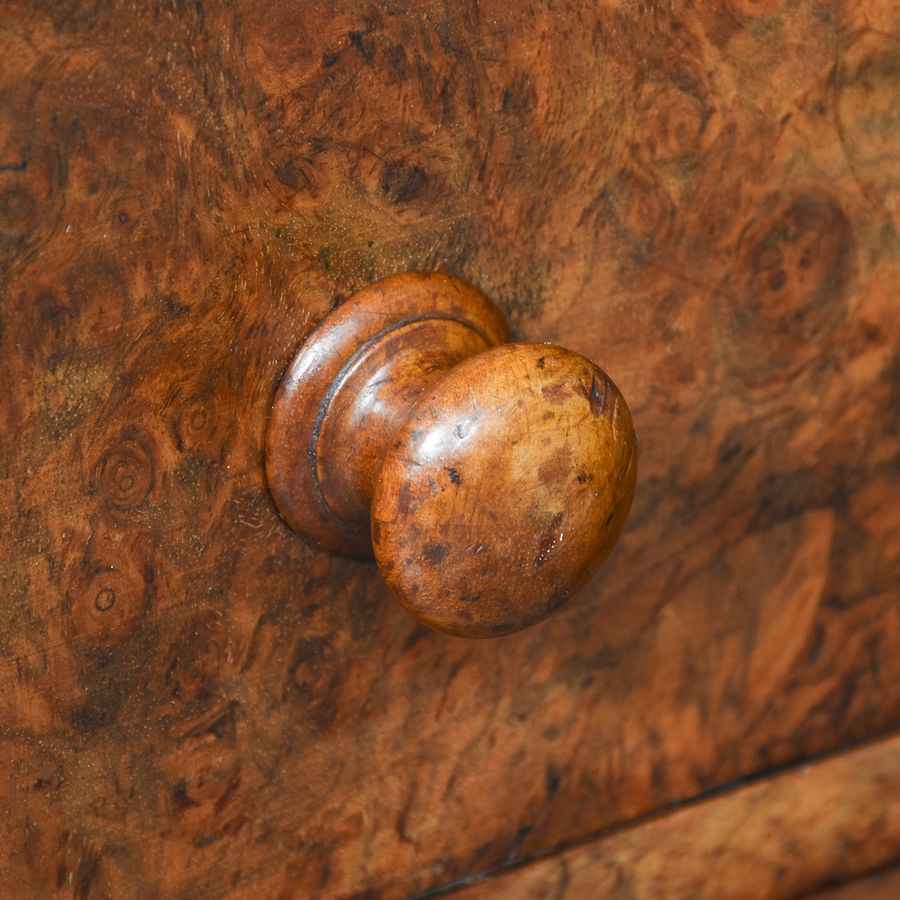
{"x": 778, "y": 838}
{"x": 703, "y": 196}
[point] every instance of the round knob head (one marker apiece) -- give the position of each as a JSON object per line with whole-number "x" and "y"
{"x": 508, "y": 483}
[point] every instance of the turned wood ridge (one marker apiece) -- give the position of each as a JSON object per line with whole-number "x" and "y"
{"x": 489, "y": 478}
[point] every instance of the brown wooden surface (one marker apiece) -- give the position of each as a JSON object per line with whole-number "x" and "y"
{"x": 704, "y": 198}
{"x": 778, "y": 838}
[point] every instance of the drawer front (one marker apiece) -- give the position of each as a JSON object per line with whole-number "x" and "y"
{"x": 702, "y": 198}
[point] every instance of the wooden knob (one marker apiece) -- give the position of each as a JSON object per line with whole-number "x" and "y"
{"x": 490, "y": 478}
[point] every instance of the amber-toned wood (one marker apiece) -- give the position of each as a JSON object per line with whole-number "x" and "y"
{"x": 498, "y": 477}
{"x": 781, "y": 837}
{"x": 702, "y": 196}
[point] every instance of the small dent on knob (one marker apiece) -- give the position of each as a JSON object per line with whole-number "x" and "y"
{"x": 435, "y": 553}
{"x": 599, "y": 396}
{"x": 549, "y": 541}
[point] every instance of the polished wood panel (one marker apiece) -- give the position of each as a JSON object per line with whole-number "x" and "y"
{"x": 781, "y": 837}
{"x": 702, "y": 196}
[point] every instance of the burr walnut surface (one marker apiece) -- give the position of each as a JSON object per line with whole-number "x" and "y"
{"x": 704, "y": 197}
{"x": 787, "y": 836}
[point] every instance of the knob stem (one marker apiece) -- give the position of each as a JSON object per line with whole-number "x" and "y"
{"x": 372, "y": 398}
{"x": 351, "y": 387}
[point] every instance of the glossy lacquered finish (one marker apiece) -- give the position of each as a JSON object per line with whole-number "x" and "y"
{"x": 494, "y": 477}
{"x": 702, "y": 197}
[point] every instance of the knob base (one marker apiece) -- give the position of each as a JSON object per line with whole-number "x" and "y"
{"x": 351, "y": 386}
